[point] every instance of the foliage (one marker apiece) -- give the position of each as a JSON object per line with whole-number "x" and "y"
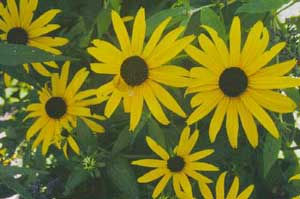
{"x": 103, "y": 170}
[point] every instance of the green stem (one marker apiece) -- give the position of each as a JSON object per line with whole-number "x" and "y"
{"x": 288, "y": 6}
{"x": 193, "y": 11}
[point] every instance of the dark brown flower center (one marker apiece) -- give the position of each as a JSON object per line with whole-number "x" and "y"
{"x": 134, "y": 71}
{"x": 176, "y": 164}
{"x": 233, "y": 81}
{"x": 17, "y": 36}
{"x": 56, "y": 107}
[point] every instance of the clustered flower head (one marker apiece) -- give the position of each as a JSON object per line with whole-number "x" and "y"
{"x": 235, "y": 81}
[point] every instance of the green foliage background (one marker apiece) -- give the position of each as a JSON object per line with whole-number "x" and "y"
{"x": 103, "y": 170}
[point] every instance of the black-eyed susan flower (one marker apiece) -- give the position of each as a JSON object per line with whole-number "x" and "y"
{"x": 295, "y": 177}
{"x": 179, "y": 166}
{"x": 139, "y": 69}
{"x": 59, "y": 107}
{"x": 18, "y": 26}
{"x": 233, "y": 192}
{"x": 237, "y": 83}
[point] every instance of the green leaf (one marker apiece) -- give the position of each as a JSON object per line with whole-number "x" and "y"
{"x": 20, "y": 74}
{"x": 124, "y": 139}
{"x": 294, "y": 94}
{"x": 271, "y": 149}
{"x": 122, "y": 176}
{"x": 14, "y": 54}
{"x": 103, "y": 22}
{"x": 210, "y": 18}
{"x": 156, "y": 132}
{"x": 77, "y": 176}
{"x": 261, "y": 6}
{"x": 85, "y": 137}
{"x": 157, "y": 18}
{"x": 14, "y": 185}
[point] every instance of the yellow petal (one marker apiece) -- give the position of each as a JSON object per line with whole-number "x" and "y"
{"x": 200, "y": 155}
{"x": 41, "y": 69}
{"x": 12, "y": 6}
{"x": 257, "y": 50}
{"x": 276, "y": 69}
{"x": 161, "y": 185}
{"x": 189, "y": 145}
{"x": 44, "y": 19}
{"x": 235, "y": 42}
{"x": 273, "y": 101}
{"x": 232, "y": 123}
{"x": 43, "y": 30}
{"x": 36, "y": 126}
{"x": 170, "y": 51}
{"x": 139, "y": 31}
{"x": 220, "y": 45}
{"x": 154, "y": 106}
{"x": 211, "y": 50}
{"x": 260, "y": 114}
{"x": 246, "y": 193}
{"x": 150, "y": 163}
{"x": 155, "y": 37}
{"x": 52, "y": 41}
{"x": 112, "y": 104}
{"x": 248, "y": 52}
{"x": 64, "y": 75}
{"x": 156, "y": 148}
{"x": 217, "y": 119}
{"x": 234, "y": 189}
{"x": 264, "y": 59}
{"x": 102, "y": 68}
{"x": 220, "y": 192}
{"x": 105, "y": 52}
{"x": 205, "y": 191}
{"x": 273, "y": 82}
{"x": 202, "y": 166}
{"x": 164, "y": 43}
{"x": 95, "y": 127}
{"x": 152, "y": 175}
{"x": 166, "y": 99}
{"x": 203, "y": 59}
{"x": 73, "y": 145}
{"x": 121, "y": 32}
{"x": 185, "y": 183}
{"x": 136, "y": 110}
{"x": 248, "y": 124}
{"x": 295, "y": 177}
{"x": 206, "y": 107}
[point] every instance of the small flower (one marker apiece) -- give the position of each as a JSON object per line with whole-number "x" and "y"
{"x": 58, "y": 111}
{"x": 18, "y": 26}
{"x": 139, "y": 68}
{"x": 178, "y": 166}
{"x": 236, "y": 82}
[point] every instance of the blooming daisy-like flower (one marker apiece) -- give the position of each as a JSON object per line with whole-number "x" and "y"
{"x": 178, "y": 166}
{"x": 237, "y": 83}
{"x": 220, "y": 189}
{"x": 295, "y": 177}
{"x": 139, "y": 69}
{"x": 19, "y": 27}
{"x": 59, "y": 107}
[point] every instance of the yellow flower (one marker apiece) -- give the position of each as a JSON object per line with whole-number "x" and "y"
{"x": 235, "y": 82}
{"x": 220, "y": 192}
{"x": 178, "y": 166}
{"x": 19, "y": 27}
{"x": 295, "y": 177}
{"x": 59, "y": 107}
{"x": 139, "y": 69}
